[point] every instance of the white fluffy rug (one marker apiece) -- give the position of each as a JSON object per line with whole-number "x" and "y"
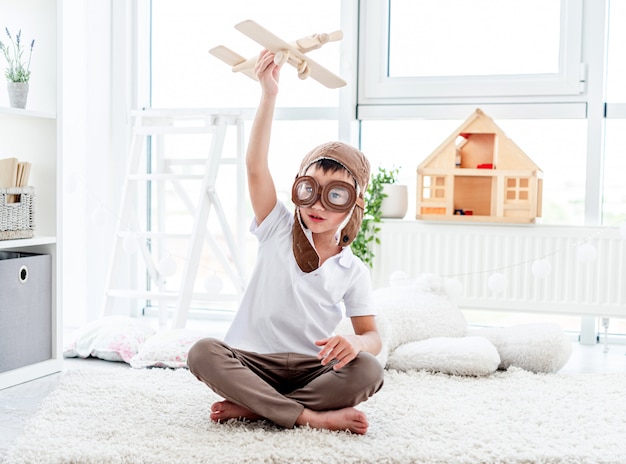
{"x": 162, "y": 416}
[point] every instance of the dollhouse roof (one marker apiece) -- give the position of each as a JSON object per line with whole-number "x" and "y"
{"x": 508, "y": 154}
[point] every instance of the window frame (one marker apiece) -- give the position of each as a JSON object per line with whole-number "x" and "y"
{"x": 376, "y": 87}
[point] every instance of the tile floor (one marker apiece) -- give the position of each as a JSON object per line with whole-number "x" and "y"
{"x": 18, "y": 404}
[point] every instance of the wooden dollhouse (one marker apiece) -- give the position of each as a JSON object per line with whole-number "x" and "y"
{"x": 479, "y": 174}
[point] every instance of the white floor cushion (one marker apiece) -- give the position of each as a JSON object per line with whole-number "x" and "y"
{"x": 418, "y": 311}
{"x": 451, "y": 355}
{"x": 542, "y": 347}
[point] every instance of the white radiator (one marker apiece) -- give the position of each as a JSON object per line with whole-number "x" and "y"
{"x": 471, "y": 253}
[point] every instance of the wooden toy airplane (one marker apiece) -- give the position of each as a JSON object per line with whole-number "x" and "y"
{"x": 292, "y": 53}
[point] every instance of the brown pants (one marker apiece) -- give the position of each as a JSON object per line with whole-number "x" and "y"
{"x": 279, "y": 386}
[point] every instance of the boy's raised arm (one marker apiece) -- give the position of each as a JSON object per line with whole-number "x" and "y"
{"x": 260, "y": 183}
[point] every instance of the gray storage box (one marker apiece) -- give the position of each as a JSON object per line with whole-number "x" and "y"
{"x": 25, "y": 309}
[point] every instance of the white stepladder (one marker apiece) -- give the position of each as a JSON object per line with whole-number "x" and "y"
{"x": 132, "y": 234}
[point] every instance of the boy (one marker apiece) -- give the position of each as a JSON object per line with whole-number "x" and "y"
{"x": 280, "y": 360}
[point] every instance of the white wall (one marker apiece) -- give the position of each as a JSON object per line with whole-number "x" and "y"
{"x": 90, "y": 180}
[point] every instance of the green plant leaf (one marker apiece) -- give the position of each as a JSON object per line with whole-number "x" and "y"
{"x": 362, "y": 246}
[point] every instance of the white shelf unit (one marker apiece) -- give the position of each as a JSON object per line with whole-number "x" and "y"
{"x": 32, "y": 135}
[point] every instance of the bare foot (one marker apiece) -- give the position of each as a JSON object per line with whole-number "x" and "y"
{"x": 341, "y": 419}
{"x": 224, "y": 410}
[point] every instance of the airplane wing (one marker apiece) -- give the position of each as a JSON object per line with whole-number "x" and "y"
{"x": 274, "y": 43}
{"x": 235, "y": 60}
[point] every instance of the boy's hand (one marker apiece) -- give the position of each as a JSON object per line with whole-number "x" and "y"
{"x": 268, "y": 72}
{"x": 337, "y": 347}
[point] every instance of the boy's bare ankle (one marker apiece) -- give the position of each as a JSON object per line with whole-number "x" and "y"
{"x": 225, "y": 410}
{"x": 350, "y": 419}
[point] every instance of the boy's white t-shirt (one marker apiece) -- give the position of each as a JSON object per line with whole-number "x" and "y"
{"x": 285, "y": 310}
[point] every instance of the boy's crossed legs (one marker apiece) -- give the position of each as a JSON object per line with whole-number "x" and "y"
{"x": 286, "y": 388}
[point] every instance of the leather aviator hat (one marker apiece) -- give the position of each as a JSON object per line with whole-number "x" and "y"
{"x": 358, "y": 166}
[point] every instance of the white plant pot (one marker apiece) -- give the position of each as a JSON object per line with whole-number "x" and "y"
{"x": 396, "y": 203}
{"x": 18, "y": 94}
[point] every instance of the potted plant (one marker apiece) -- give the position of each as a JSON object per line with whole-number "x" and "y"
{"x": 395, "y": 199}
{"x": 17, "y": 71}
{"x": 363, "y": 244}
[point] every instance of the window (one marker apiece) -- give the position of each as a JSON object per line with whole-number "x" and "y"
{"x": 183, "y": 74}
{"x": 616, "y": 63}
{"x": 418, "y": 81}
{"x": 614, "y": 194}
{"x": 478, "y": 38}
{"x": 614, "y": 198}
{"x": 422, "y": 50}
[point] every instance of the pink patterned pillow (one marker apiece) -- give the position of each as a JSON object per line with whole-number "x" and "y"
{"x": 113, "y": 338}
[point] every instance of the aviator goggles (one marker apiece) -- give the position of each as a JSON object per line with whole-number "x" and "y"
{"x": 337, "y": 196}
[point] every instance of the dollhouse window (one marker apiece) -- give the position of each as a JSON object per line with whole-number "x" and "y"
{"x": 517, "y": 188}
{"x": 434, "y": 187}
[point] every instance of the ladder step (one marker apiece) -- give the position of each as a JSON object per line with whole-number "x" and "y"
{"x": 167, "y": 130}
{"x": 184, "y": 161}
{"x": 148, "y": 295}
{"x": 195, "y": 162}
{"x": 165, "y": 176}
{"x": 157, "y": 235}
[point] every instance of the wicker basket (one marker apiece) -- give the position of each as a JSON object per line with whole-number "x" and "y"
{"x": 17, "y": 216}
